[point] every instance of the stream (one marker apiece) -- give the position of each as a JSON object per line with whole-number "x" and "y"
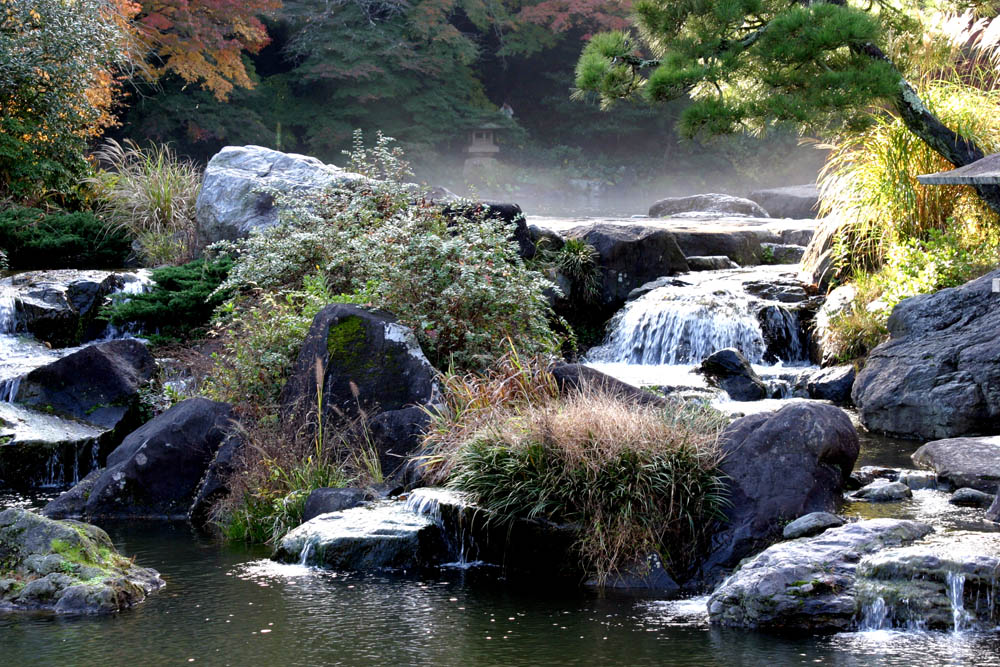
{"x": 228, "y": 604}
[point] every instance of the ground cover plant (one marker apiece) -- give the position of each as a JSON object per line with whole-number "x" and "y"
{"x": 35, "y": 239}
{"x": 638, "y": 479}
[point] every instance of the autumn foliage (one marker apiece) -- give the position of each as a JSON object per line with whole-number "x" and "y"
{"x": 202, "y": 41}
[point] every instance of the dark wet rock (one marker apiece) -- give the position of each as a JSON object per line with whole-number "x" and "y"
{"x": 832, "y": 384}
{"x": 322, "y": 501}
{"x": 784, "y": 288}
{"x": 966, "y": 497}
{"x": 66, "y": 567}
{"x": 729, "y": 370}
{"x": 70, "y": 504}
{"x": 780, "y": 465}
{"x": 714, "y": 203}
{"x": 807, "y": 584}
{"x": 630, "y": 256}
{"x": 98, "y": 384}
{"x": 939, "y": 374}
{"x": 865, "y": 475}
{"x": 381, "y": 536}
{"x": 971, "y": 462}
{"x": 918, "y": 479}
{"x": 811, "y": 524}
{"x": 655, "y": 284}
{"x": 238, "y": 192}
{"x": 784, "y": 336}
{"x": 646, "y": 577}
{"x": 782, "y": 253}
{"x": 883, "y": 491}
{"x": 510, "y": 214}
{"x": 156, "y": 470}
{"x": 709, "y": 263}
{"x": 62, "y": 307}
{"x": 369, "y": 364}
{"x": 215, "y": 483}
{"x": 573, "y": 377}
{"x": 792, "y": 201}
{"x": 396, "y": 435}
{"x": 743, "y": 246}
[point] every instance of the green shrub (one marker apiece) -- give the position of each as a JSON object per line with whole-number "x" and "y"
{"x": 180, "y": 304}
{"x": 150, "y": 195}
{"x": 458, "y": 283}
{"x": 33, "y": 239}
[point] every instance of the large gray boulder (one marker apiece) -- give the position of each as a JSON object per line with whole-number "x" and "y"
{"x": 729, "y": 370}
{"x": 155, "y": 473}
{"x": 792, "y": 201}
{"x": 714, "y": 203}
{"x": 963, "y": 462}
{"x": 807, "y": 584}
{"x": 939, "y": 374}
{"x": 832, "y": 384}
{"x": 237, "y": 194}
{"x": 66, "y": 567}
{"x": 780, "y": 466}
{"x": 630, "y": 256}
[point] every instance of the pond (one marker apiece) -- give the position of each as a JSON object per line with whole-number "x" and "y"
{"x": 229, "y": 605}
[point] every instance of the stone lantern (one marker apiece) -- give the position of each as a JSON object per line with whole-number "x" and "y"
{"x": 482, "y": 150}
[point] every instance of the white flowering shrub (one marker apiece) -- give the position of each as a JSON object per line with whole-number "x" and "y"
{"x": 459, "y": 283}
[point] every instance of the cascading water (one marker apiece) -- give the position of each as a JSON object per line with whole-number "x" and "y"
{"x": 428, "y": 502}
{"x": 8, "y": 312}
{"x": 955, "y": 582}
{"x": 657, "y": 338}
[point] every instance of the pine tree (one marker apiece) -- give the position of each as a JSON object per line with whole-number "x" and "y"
{"x": 745, "y": 63}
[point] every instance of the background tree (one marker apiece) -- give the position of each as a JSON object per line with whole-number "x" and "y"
{"x": 745, "y": 63}
{"x": 59, "y": 67}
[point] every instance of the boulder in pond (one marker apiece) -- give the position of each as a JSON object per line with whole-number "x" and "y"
{"x": 963, "y": 462}
{"x": 215, "y": 482}
{"x": 811, "y": 524}
{"x": 238, "y": 191}
{"x": 156, "y": 471}
{"x": 883, "y": 491}
{"x": 966, "y": 497}
{"x": 807, "y": 584}
{"x": 729, "y": 370}
{"x": 792, "y": 201}
{"x": 832, "y": 384}
{"x": 630, "y": 256}
{"x": 779, "y": 466}
{"x": 939, "y": 374}
{"x": 66, "y": 567}
{"x": 380, "y": 536}
{"x": 712, "y": 203}
{"x": 98, "y": 384}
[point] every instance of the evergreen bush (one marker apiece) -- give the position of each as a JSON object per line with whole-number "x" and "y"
{"x": 33, "y": 239}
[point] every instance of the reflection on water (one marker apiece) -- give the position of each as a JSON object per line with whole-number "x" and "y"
{"x": 228, "y": 605}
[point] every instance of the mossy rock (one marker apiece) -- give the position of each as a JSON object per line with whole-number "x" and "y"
{"x": 66, "y": 567}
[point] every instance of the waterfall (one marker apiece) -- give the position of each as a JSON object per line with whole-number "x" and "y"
{"x": 306, "y": 550}
{"x": 956, "y": 594}
{"x": 139, "y": 282}
{"x": 8, "y": 312}
{"x": 683, "y": 322}
{"x": 8, "y": 389}
{"x": 874, "y": 615}
{"x": 430, "y": 502}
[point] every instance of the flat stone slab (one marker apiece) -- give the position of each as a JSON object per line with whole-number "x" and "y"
{"x": 963, "y": 462}
{"x": 381, "y": 536}
{"x": 981, "y": 172}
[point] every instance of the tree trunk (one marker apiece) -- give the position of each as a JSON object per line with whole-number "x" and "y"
{"x": 942, "y": 140}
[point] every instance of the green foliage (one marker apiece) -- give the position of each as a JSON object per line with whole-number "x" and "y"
{"x": 180, "y": 304}
{"x": 150, "y": 194}
{"x": 33, "y": 239}
{"x": 870, "y": 181}
{"x": 636, "y": 480}
{"x": 56, "y": 86}
{"x": 914, "y": 266}
{"x": 459, "y": 283}
{"x": 747, "y": 63}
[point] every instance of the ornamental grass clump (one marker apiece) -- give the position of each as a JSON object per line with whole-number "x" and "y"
{"x": 635, "y": 479}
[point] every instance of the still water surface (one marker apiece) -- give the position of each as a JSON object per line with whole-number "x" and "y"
{"x": 228, "y": 605}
